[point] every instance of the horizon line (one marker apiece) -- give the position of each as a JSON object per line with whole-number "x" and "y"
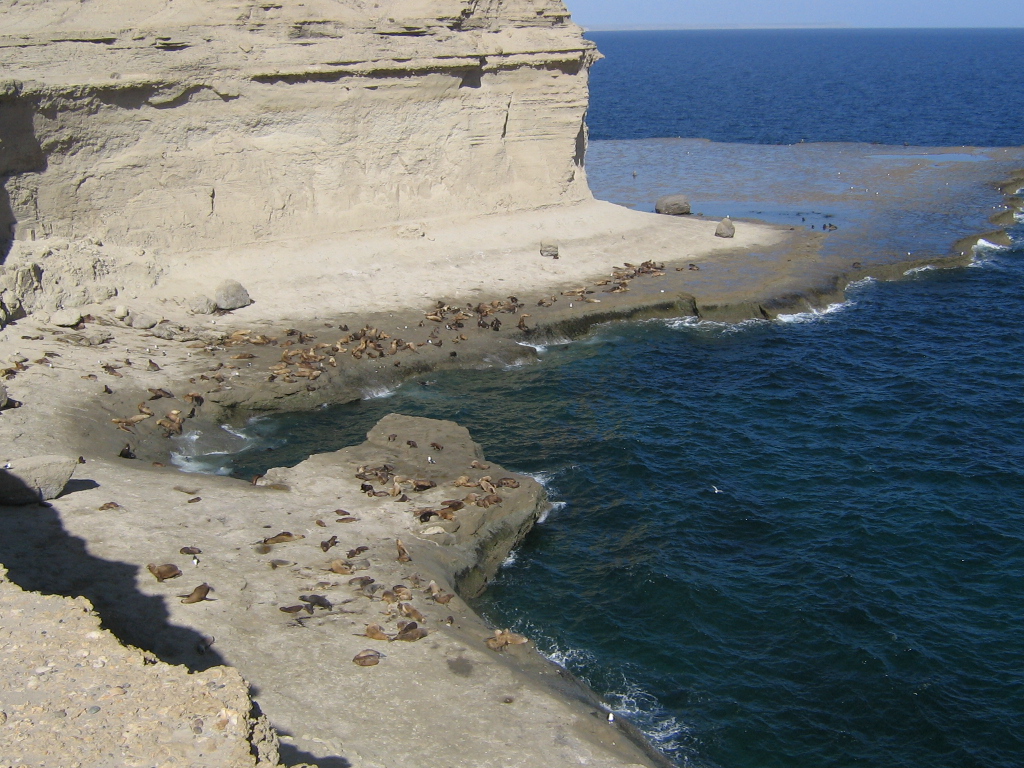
{"x": 723, "y": 27}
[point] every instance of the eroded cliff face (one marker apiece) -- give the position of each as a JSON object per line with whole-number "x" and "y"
{"x": 166, "y": 125}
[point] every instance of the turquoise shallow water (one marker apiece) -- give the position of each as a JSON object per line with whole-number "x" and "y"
{"x": 797, "y": 543}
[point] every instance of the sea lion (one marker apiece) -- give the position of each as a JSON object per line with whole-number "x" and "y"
{"x": 367, "y": 658}
{"x": 341, "y": 567}
{"x": 318, "y": 601}
{"x": 479, "y": 465}
{"x": 283, "y": 538}
{"x": 375, "y": 632}
{"x": 198, "y": 594}
{"x": 408, "y": 610}
{"x": 191, "y": 551}
{"x": 165, "y": 571}
{"x": 357, "y": 551}
{"x": 403, "y": 553}
{"x": 109, "y": 505}
{"x": 331, "y": 542}
{"x": 411, "y": 632}
{"x": 403, "y": 592}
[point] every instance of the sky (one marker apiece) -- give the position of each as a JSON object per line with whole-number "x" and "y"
{"x": 679, "y": 14}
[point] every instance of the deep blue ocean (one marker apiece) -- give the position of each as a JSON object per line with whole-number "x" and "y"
{"x": 796, "y": 543}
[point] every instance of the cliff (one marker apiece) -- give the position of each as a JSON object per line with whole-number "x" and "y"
{"x": 170, "y": 125}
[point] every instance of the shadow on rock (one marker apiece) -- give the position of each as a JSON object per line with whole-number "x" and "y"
{"x": 292, "y": 755}
{"x": 41, "y": 556}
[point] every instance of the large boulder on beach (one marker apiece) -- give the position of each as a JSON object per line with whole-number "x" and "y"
{"x": 725, "y": 228}
{"x": 141, "y": 320}
{"x": 66, "y": 318}
{"x": 231, "y": 295}
{"x": 673, "y": 205}
{"x": 38, "y": 478}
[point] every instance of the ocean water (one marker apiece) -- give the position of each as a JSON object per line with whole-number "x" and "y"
{"x": 796, "y": 543}
{"x": 934, "y": 87}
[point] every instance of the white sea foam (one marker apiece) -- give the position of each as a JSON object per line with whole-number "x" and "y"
{"x": 813, "y": 315}
{"x": 569, "y": 658}
{"x": 377, "y": 393}
{"x": 988, "y": 245}
{"x": 696, "y": 323}
{"x": 915, "y": 270}
{"x": 862, "y": 283}
{"x": 511, "y": 559}
{"x": 519, "y": 362}
{"x": 643, "y": 710}
{"x": 542, "y": 348}
{"x": 545, "y": 479}
{"x": 555, "y": 506}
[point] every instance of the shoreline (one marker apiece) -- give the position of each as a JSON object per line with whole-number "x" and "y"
{"x": 59, "y": 408}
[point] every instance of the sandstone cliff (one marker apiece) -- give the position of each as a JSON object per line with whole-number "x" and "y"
{"x": 170, "y": 125}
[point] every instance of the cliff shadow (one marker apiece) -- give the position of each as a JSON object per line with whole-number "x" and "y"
{"x": 20, "y": 152}
{"x": 41, "y": 556}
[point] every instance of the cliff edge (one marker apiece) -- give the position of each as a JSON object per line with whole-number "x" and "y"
{"x": 181, "y": 126}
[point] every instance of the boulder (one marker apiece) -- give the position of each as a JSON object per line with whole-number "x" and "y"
{"x": 66, "y": 318}
{"x": 141, "y": 320}
{"x": 202, "y": 305}
{"x": 3, "y": 397}
{"x": 26, "y": 481}
{"x": 549, "y": 250}
{"x": 121, "y": 312}
{"x": 725, "y": 228}
{"x": 673, "y": 205}
{"x": 231, "y": 295}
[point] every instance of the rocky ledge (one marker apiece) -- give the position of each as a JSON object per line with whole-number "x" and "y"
{"x": 334, "y": 587}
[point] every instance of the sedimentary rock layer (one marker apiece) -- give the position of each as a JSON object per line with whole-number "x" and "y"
{"x": 160, "y": 124}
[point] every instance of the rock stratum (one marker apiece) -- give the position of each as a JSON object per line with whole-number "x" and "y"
{"x": 193, "y": 125}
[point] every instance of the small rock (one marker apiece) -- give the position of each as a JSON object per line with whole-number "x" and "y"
{"x": 141, "y": 320}
{"x": 673, "y": 205}
{"x": 202, "y": 305}
{"x": 549, "y": 250}
{"x": 16, "y": 358}
{"x": 231, "y": 295}
{"x": 35, "y": 479}
{"x": 66, "y": 318}
{"x": 3, "y": 397}
{"x": 725, "y": 228}
{"x": 120, "y": 311}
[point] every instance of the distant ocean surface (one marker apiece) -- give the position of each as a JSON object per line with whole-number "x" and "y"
{"x": 791, "y": 544}
{"x": 934, "y": 87}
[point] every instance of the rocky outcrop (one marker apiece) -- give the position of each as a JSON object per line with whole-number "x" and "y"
{"x": 672, "y": 205}
{"x": 38, "y": 478}
{"x": 71, "y": 692}
{"x": 178, "y": 125}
